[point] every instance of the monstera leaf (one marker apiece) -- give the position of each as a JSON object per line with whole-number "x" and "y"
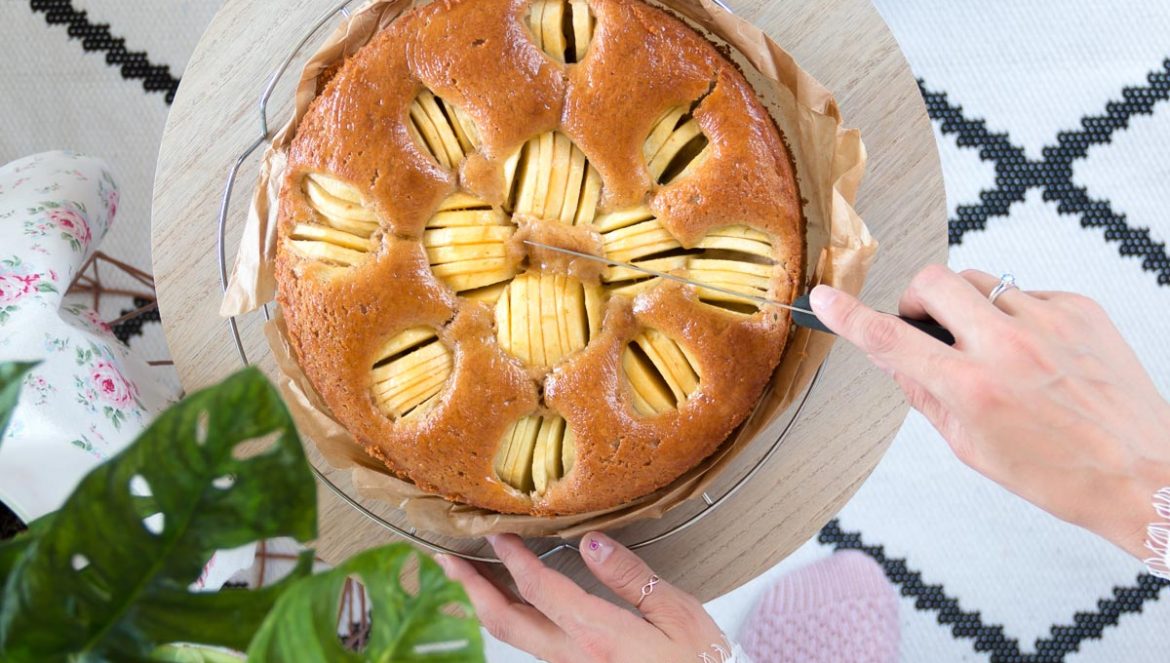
{"x": 194, "y": 654}
{"x": 10, "y": 376}
{"x": 98, "y": 582}
{"x": 407, "y": 625}
{"x": 11, "y": 550}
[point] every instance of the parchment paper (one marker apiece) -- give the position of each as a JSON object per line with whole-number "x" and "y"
{"x": 830, "y": 162}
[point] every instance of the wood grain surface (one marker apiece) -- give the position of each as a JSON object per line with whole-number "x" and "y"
{"x": 852, "y": 412}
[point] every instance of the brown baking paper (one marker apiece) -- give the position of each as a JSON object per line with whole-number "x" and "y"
{"x": 830, "y": 161}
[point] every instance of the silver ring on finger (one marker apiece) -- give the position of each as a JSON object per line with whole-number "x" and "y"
{"x": 647, "y": 590}
{"x": 1006, "y": 282}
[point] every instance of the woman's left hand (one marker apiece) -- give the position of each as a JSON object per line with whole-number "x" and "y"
{"x": 558, "y": 621}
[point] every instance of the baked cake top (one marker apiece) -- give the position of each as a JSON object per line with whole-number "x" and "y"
{"x": 512, "y": 378}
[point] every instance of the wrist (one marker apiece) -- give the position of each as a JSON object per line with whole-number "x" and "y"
{"x": 1158, "y": 537}
{"x": 1138, "y": 509}
{"x": 1149, "y": 486}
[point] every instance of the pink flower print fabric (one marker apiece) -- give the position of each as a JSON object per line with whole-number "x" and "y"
{"x": 20, "y": 281}
{"x": 103, "y": 389}
{"x": 110, "y": 196}
{"x": 89, "y": 397}
{"x": 112, "y": 386}
{"x": 73, "y": 226}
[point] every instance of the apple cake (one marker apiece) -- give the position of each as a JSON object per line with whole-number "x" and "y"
{"x": 518, "y": 379}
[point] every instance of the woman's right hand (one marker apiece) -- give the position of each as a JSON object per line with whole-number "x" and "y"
{"x": 1040, "y": 393}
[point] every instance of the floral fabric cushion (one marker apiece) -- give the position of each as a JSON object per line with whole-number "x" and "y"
{"x": 89, "y": 396}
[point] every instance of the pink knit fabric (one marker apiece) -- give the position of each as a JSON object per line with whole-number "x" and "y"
{"x": 839, "y": 609}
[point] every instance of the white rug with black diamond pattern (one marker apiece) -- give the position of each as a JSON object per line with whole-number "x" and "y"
{"x": 1053, "y": 120}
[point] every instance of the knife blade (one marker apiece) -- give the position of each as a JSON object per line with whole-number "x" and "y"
{"x": 801, "y": 307}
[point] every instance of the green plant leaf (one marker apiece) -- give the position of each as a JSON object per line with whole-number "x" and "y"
{"x": 406, "y": 626}
{"x": 11, "y": 549}
{"x": 194, "y": 654}
{"x": 11, "y": 373}
{"x": 10, "y": 552}
{"x": 97, "y": 584}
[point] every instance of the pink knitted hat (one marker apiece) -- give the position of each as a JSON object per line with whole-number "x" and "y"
{"x": 839, "y": 609}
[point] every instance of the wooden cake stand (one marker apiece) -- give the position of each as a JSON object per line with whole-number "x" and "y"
{"x": 851, "y": 413}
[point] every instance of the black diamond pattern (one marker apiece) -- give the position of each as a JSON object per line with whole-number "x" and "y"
{"x": 97, "y": 37}
{"x": 990, "y": 638}
{"x": 1015, "y": 174}
{"x": 128, "y": 329}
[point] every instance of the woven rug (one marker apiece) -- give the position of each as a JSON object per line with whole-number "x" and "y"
{"x": 1053, "y": 122}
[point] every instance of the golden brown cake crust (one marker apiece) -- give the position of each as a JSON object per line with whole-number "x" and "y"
{"x": 480, "y": 56}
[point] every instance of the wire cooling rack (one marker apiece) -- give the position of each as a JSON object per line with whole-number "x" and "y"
{"x": 341, "y": 12}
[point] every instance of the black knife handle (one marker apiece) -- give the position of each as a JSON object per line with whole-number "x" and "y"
{"x": 928, "y": 327}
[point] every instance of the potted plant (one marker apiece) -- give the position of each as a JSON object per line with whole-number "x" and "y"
{"x": 107, "y": 577}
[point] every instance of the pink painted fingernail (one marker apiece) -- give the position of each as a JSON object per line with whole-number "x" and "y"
{"x": 597, "y": 548}
{"x": 444, "y": 562}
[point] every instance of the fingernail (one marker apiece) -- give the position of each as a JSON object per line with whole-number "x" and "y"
{"x": 493, "y": 539}
{"x": 822, "y": 297}
{"x": 444, "y": 562}
{"x": 596, "y": 547}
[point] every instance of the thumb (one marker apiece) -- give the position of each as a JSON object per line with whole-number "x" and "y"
{"x": 663, "y": 604}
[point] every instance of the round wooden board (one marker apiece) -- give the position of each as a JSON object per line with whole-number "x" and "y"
{"x": 852, "y": 413}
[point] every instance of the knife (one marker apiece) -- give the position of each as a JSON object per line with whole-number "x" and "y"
{"x": 801, "y": 307}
